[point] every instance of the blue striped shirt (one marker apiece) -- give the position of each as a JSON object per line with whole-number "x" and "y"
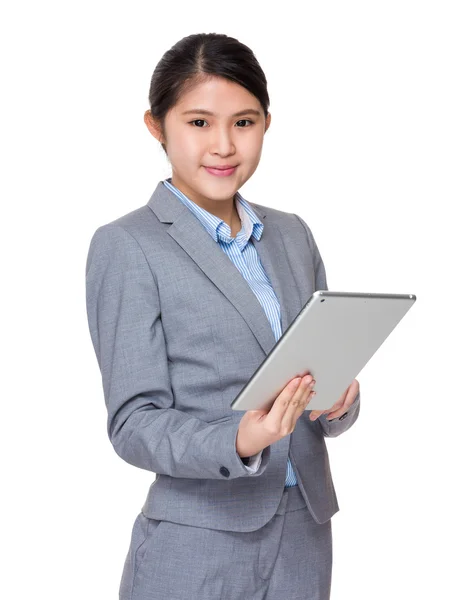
{"x": 244, "y": 255}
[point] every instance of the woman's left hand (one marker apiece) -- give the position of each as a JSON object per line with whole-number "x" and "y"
{"x": 341, "y": 406}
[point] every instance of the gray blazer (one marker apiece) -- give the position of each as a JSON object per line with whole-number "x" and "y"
{"x": 167, "y": 312}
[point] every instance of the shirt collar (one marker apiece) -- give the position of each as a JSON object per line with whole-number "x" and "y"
{"x": 216, "y": 227}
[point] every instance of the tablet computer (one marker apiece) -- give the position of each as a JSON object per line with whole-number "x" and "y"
{"x": 333, "y": 337}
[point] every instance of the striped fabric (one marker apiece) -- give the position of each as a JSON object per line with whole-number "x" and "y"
{"x": 243, "y": 254}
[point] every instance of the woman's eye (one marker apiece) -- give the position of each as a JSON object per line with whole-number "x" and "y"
{"x": 244, "y": 120}
{"x": 203, "y": 121}
{"x": 198, "y": 121}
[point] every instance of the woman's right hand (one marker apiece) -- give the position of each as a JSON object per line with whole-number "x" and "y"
{"x": 259, "y": 428}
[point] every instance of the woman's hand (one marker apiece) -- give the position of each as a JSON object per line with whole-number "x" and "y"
{"x": 341, "y": 406}
{"x": 260, "y": 428}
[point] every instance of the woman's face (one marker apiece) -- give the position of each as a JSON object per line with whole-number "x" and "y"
{"x": 195, "y": 140}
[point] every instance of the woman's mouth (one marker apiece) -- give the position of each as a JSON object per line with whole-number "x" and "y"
{"x": 221, "y": 172}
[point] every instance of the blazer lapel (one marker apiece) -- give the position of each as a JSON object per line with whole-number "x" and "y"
{"x": 190, "y": 234}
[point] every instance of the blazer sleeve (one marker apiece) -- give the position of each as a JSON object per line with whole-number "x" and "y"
{"x": 336, "y": 426}
{"x": 124, "y": 318}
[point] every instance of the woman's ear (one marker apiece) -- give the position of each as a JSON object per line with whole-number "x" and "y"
{"x": 153, "y": 126}
{"x": 267, "y": 122}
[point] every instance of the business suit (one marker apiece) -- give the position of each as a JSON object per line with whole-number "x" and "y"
{"x": 167, "y": 311}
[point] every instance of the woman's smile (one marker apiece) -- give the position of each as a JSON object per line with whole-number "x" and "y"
{"x": 221, "y": 172}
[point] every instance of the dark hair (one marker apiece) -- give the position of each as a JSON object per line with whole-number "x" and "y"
{"x": 196, "y": 58}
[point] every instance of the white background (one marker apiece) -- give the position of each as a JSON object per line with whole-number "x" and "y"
{"x": 366, "y": 144}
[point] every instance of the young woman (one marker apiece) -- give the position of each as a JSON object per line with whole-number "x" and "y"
{"x": 186, "y": 296}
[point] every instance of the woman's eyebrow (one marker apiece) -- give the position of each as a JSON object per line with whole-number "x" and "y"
{"x": 201, "y": 111}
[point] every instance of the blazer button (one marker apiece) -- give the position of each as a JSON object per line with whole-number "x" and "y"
{"x": 342, "y": 417}
{"x": 224, "y": 471}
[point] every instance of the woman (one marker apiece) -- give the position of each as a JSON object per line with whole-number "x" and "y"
{"x": 186, "y": 296}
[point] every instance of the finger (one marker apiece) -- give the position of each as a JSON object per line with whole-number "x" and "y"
{"x": 340, "y": 411}
{"x": 297, "y": 404}
{"x": 336, "y": 407}
{"x": 314, "y": 414}
{"x": 351, "y": 394}
{"x": 279, "y": 406}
